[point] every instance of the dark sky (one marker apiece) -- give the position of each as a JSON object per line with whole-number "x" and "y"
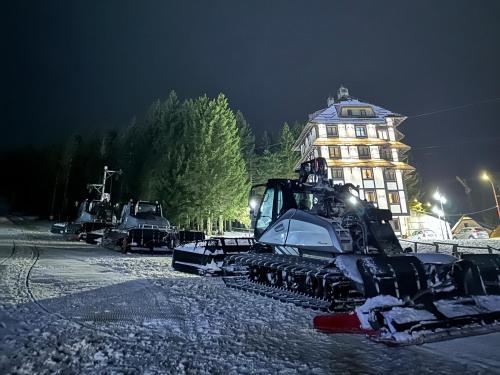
{"x": 73, "y": 65}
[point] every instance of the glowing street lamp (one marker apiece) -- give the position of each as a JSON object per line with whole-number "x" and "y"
{"x": 486, "y": 177}
{"x": 437, "y": 211}
{"x": 440, "y": 198}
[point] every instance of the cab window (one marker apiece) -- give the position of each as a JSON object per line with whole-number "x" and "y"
{"x": 266, "y": 211}
{"x": 304, "y": 201}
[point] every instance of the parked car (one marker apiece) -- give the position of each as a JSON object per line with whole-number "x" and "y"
{"x": 423, "y": 234}
{"x": 472, "y": 233}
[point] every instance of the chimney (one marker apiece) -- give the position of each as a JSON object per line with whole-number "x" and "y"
{"x": 342, "y": 93}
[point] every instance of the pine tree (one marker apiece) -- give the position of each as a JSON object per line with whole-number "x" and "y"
{"x": 412, "y": 181}
{"x": 265, "y": 142}
{"x": 247, "y": 143}
{"x": 215, "y": 170}
{"x": 279, "y": 163}
{"x": 69, "y": 155}
{"x": 287, "y": 157}
{"x": 169, "y": 153}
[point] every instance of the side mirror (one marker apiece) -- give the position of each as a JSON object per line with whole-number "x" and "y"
{"x": 408, "y": 250}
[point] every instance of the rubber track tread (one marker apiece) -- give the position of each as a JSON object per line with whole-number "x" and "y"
{"x": 281, "y": 294}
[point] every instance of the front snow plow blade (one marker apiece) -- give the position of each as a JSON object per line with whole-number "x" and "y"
{"x": 150, "y": 238}
{"x": 395, "y": 323}
{"x": 403, "y": 309}
{"x": 207, "y": 256}
{"x": 387, "y": 320}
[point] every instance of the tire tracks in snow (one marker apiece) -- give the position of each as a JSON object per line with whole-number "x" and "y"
{"x": 36, "y": 256}
{"x": 104, "y": 332}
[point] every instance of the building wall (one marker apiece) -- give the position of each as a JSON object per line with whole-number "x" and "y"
{"x": 379, "y": 185}
{"x": 418, "y": 221}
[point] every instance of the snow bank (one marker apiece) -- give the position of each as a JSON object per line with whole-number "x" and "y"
{"x": 446, "y": 246}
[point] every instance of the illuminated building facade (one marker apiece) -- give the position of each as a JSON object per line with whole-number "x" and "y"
{"x": 362, "y": 146}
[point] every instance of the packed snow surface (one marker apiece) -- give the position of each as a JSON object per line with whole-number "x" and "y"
{"x": 73, "y": 308}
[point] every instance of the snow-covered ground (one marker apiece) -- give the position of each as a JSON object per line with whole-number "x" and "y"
{"x": 70, "y": 307}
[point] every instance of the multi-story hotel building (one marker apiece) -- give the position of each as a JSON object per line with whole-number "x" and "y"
{"x": 362, "y": 145}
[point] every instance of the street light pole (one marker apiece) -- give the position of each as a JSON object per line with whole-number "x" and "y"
{"x": 439, "y": 213}
{"x": 442, "y": 200}
{"x": 444, "y": 219}
{"x": 488, "y": 178}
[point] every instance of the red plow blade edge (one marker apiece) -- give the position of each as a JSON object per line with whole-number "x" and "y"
{"x": 340, "y": 323}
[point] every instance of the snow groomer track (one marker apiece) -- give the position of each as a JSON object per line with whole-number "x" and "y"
{"x": 75, "y": 308}
{"x": 277, "y": 293}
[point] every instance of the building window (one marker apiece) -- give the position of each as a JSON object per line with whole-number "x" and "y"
{"x": 367, "y": 173}
{"x": 363, "y": 112}
{"x": 371, "y": 196}
{"x": 332, "y": 131}
{"x": 337, "y": 173}
{"x": 393, "y": 197}
{"x": 361, "y": 131}
{"x": 390, "y": 175}
{"x": 382, "y": 134}
{"x": 334, "y": 152}
{"x": 364, "y": 152}
{"x": 349, "y": 112}
{"x": 395, "y": 224}
{"x": 385, "y": 153}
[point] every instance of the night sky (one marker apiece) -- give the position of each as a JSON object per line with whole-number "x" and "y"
{"x": 75, "y": 65}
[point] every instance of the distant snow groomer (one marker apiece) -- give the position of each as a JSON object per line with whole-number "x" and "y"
{"x": 92, "y": 215}
{"x": 142, "y": 226}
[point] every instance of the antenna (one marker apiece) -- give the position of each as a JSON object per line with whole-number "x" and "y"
{"x": 101, "y": 188}
{"x": 464, "y": 184}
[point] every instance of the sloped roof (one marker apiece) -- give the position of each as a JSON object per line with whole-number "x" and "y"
{"x": 331, "y": 114}
{"x": 473, "y": 219}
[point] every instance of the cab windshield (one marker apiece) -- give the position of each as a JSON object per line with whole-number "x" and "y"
{"x": 145, "y": 208}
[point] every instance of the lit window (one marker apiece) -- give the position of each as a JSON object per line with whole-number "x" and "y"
{"x": 370, "y": 196}
{"x": 395, "y": 224}
{"x": 393, "y": 197}
{"x": 360, "y": 131}
{"x": 332, "y": 131}
{"x": 390, "y": 175}
{"x": 337, "y": 173}
{"x": 364, "y": 152}
{"x": 334, "y": 152}
{"x": 385, "y": 153}
{"x": 367, "y": 173}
